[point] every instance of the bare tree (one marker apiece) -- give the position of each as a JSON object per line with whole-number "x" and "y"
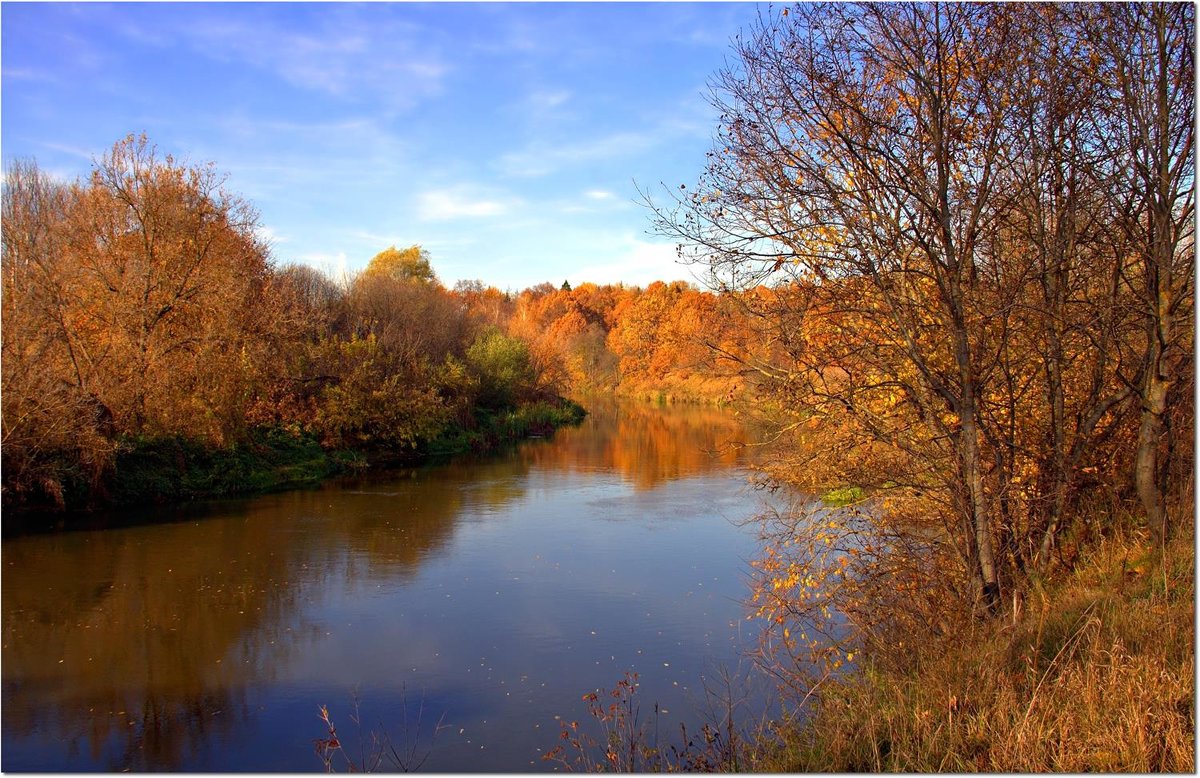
{"x": 865, "y": 142}
{"x": 1147, "y": 74}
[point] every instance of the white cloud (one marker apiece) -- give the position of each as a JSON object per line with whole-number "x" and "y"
{"x": 636, "y": 262}
{"x": 333, "y": 265}
{"x": 599, "y": 194}
{"x": 432, "y": 242}
{"x": 458, "y": 203}
{"x": 268, "y": 235}
{"x": 380, "y": 239}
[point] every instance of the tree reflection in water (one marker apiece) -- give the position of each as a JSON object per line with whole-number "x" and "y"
{"x": 645, "y": 445}
{"x": 146, "y": 647}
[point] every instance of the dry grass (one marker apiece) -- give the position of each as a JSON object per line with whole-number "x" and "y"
{"x": 1098, "y": 674}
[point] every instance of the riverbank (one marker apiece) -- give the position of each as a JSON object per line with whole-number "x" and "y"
{"x": 175, "y": 469}
{"x": 695, "y": 389}
{"x": 1096, "y": 674}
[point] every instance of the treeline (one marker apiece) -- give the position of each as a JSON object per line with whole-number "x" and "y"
{"x": 962, "y": 237}
{"x": 658, "y": 342}
{"x": 145, "y": 321}
{"x": 140, "y": 305}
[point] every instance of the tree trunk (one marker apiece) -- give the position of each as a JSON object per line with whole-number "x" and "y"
{"x": 972, "y": 474}
{"x": 1146, "y": 470}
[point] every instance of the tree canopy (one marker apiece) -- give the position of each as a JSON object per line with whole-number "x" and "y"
{"x": 410, "y": 264}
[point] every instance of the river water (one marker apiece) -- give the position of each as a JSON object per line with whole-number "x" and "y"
{"x": 462, "y": 610}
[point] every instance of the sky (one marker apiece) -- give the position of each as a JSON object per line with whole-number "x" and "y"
{"x": 508, "y": 139}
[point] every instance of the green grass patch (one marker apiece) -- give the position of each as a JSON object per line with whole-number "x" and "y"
{"x": 843, "y": 496}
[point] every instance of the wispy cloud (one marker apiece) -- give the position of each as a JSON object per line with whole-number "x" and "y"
{"x": 73, "y": 151}
{"x": 538, "y": 159}
{"x": 459, "y": 203}
{"x": 275, "y": 158}
{"x": 348, "y": 52}
{"x": 592, "y": 201}
{"x": 687, "y": 118}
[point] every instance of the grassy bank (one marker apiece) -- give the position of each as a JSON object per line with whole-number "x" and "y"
{"x": 176, "y": 469}
{"x": 1095, "y": 674}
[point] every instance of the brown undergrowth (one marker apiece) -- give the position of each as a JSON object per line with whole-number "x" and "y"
{"x": 1095, "y": 673}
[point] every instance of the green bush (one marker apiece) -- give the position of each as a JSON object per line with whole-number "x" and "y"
{"x": 506, "y": 374}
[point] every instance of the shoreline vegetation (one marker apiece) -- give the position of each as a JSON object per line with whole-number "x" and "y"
{"x": 174, "y": 470}
{"x": 1094, "y": 672}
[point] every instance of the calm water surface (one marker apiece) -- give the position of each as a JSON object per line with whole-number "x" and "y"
{"x": 483, "y": 596}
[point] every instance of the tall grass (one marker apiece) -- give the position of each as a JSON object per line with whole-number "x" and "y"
{"x": 1096, "y": 674}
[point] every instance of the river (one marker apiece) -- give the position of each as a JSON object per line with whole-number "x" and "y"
{"x": 464, "y": 608}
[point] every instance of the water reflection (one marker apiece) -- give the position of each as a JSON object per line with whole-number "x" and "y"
{"x": 176, "y": 646}
{"x": 117, "y": 643}
{"x": 645, "y": 444}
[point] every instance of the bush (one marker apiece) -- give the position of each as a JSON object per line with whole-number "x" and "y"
{"x": 378, "y": 400}
{"x": 502, "y": 363}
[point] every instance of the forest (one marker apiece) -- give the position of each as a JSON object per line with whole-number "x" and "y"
{"x": 949, "y": 265}
{"x": 147, "y": 324}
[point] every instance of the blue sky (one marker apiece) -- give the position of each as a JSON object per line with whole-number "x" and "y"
{"x": 505, "y": 138}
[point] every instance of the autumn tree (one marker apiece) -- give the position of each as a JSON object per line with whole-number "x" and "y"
{"x": 135, "y": 297}
{"x": 175, "y": 273}
{"x": 1147, "y": 121}
{"x": 485, "y": 305}
{"x": 865, "y": 142}
{"x": 411, "y": 264}
{"x": 949, "y": 229}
